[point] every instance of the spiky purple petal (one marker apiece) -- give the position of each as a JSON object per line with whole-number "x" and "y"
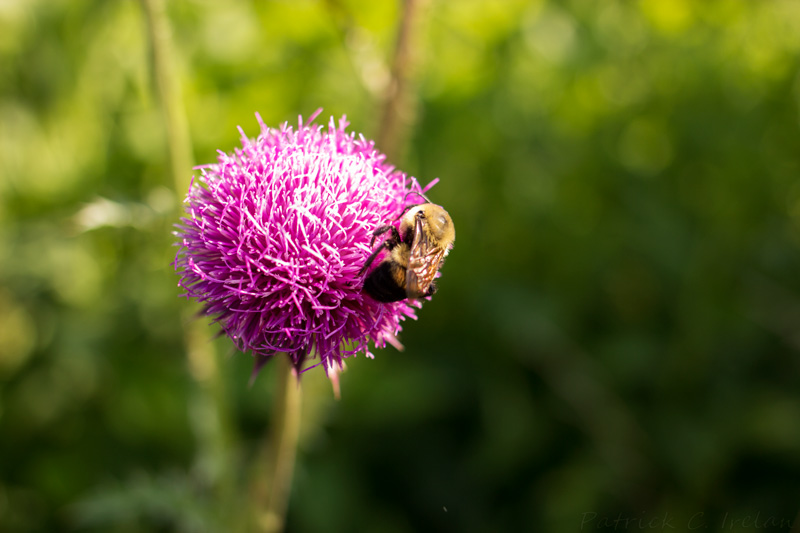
{"x": 275, "y": 234}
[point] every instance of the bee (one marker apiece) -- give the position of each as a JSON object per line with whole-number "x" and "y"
{"x": 416, "y": 252}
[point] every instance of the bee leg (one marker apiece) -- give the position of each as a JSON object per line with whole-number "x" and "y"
{"x": 383, "y": 229}
{"x": 405, "y": 210}
{"x": 388, "y": 244}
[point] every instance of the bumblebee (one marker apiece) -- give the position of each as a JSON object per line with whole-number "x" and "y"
{"x": 416, "y": 252}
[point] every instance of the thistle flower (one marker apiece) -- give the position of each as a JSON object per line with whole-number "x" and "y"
{"x": 274, "y": 237}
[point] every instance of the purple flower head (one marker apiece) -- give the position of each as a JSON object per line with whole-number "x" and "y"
{"x": 274, "y": 237}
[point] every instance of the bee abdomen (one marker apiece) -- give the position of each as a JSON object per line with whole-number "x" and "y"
{"x": 382, "y": 284}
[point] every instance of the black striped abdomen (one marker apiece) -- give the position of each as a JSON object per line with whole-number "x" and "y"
{"x": 382, "y": 284}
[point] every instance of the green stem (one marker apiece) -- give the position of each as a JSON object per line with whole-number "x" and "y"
{"x": 207, "y": 405}
{"x": 281, "y": 449}
{"x": 399, "y": 104}
{"x": 174, "y": 114}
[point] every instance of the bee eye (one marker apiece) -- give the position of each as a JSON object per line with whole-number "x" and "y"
{"x": 420, "y": 214}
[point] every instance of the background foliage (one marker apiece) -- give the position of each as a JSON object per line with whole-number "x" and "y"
{"x": 616, "y": 330}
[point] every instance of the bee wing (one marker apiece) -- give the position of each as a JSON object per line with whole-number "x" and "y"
{"x": 423, "y": 263}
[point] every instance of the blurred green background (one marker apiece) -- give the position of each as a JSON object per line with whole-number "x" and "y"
{"x": 615, "y": 336}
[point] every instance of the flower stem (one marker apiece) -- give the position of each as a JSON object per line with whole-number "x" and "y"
{"x": 282, "y": 446}
{"x": 175, "y": 122}
{"x": 399, "y": 105}
{"x": 206, "y": 406}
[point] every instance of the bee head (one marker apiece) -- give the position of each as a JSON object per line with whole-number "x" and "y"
{"x": 435, "y": 219}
